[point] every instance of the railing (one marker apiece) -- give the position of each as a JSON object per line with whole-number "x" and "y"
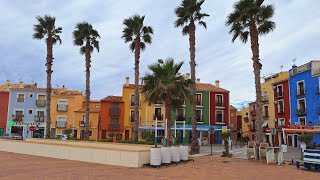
{"x": 199, "y": 118}
{"x": 279, "y": 94}
{"x": 40, "y": 103}
{"x": 264, "y": 99}
{"x": 131, "y": 118}
{"x": 39, "y": 118}
{"x": 114, "y": 111}
{"x": 265, "y": 115}
{"x": 281, "y": 111}
{"x": 253, "y": 112}
{"x": 132, "y": 103}
{"x": 159, "y": 117}
{"x": 219, "y": 104}
{"x": 61, "y": 124}
{"x": 114, "y": 127}
{"x": 281, "y": 124}
{"x": 246, "y": 119}
{"x": 301, "y": 92}
{"x": 180, "y": 118}
{"x": 301, "y": 112}
{"x": 20, "y": 99}
{"x": 62, "y": 107}
{"x": 17, "y": 117}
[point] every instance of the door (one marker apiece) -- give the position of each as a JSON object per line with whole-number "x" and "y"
{"x": 82, "y": 134}
{"x": 126, "y": 134}
{"x": 104, "y": 134}
{"x": 1, "y": 131}
{"x": 295, "y": 139}
{"x": 217, "y": 138}
{"x": 38, "y": 133}
{"x": 290, "y": 140}
{"x": 75, "y": 133}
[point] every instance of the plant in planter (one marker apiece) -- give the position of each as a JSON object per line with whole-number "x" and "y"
{"x": 226, "y": 152}
{"x": 306, "y": 138}
{"x": 111, "y": 136}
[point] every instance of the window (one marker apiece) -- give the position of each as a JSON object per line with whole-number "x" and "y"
{"x": 30, "y": 111}
{"x": 254, "y": 107}
{"x": 31, "y": 95}
{"x": 219, "y": 116}
{"x": 40, "y": 113}
{"x": 61, "y": 122}
{"x": 281, "y": 122}
{"x": 219, "y": 100}
{"x": 280, "y": 106}
{"x": 199, "y": 99}
{"x": 62, "y": 105}
{"x": 132, "y": 100}
{"x": 18, "y": 115}
{"x": 20, "y": 98}
{"x": 132, "y": 115}
{"x": 253, "y": 136}
{"x": 114, "y": 121}
{"x": 300, "y": 88}
{"x": 84, "y": 118}
{"x": 301, "y": 104}
{"x": 97, "y": 106}
{"x": 302, "y": 121}
{"x": 157, "y": 114}
{"x": 266, "y": 111}
{"x": 62, "y": 118}
{"x": 199, "y": 115}
{"x": 279, "y": 90}
{"x": 41, "y": 97}
{"x": 180, "y": 114}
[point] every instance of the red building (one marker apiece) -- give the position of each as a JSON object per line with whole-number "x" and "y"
{"x": 239, "y": 125}
{"x": 281, "y": 108}
{"x": 4, "y": 102}
{"x": 252, "y": 121}
{"x": 112, "y": 117}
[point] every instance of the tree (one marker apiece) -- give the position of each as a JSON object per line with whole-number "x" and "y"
{"x": 46, "y": 29}
{"x": 250, "y": 19}
{"x": 138, "y": 36}
{"x": 165, "y": 85}
{"x": 226, "y": 136}
{"x": 85, "y": 36}
{"x": 188, "y": 14}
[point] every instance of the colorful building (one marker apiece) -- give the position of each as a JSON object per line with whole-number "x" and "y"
{"x": 4, "y": 103}
{"x": 63, "y": 104}
{"x": 252, "y": 123}
{"x": 80, "y": 120}
{"x": 112, "y": 117}
{"x": 305, "y": 99}
{"x": 239, "y": 126}
{"x": 245, "y": 123}
{"x": 27, "y": 108}
{"x": 233, "y": 123}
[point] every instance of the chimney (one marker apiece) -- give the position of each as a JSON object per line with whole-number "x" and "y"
{"x": 34, "y": 86}
{"x": 127, "y": 81}
{"x": 187, "y": 75}
{"x": 8, "y": 82}
{"x": 217, "y": 83}
{"x": 21, "y": 84}
{"x": 64, "y": 88}
{"x": 198, "y": 81}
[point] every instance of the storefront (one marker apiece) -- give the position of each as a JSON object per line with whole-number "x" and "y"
{"x": 291, "y": 134}
{"x": 23, "y": 128}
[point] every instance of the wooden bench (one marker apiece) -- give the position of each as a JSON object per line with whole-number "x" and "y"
{"x": 311, "y": 158}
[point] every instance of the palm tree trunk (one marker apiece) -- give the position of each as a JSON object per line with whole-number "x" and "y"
{"x": 168, "y": 117}
{"x": 48, "y": 90}
{"x": 88, "y": 60}
{"x": 226, "y": 146}
{"x": 192, "y": 42}
{"x": 136, "y": 89}
{"x": 254, "y": 36}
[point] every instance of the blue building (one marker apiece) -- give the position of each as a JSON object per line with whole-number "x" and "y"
{"x": 305, "y": 98}
{"x": 27, "y": 107}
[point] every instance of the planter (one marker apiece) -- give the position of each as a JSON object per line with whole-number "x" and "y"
{"x": 184, "y": 153}
{"x": 155, "y": 156}
{"x": 166, "y": 155}
{"x": 175, "y": 154}
{"x": 284, "y": 148}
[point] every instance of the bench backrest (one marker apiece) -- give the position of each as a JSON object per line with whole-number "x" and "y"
{"x": 311, "y": 155}
{"x": 264, "y": 145}
{"x": 251, "y": 144}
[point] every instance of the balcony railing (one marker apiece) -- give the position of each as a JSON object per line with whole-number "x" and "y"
{"x": 114, "y": 111}
{"x": 265, "y": 115}
{"x": 279, "y": 94}
{"x": 61, "y": 124}
{"x": 17, "y": 117}
{"x": 281, "y": 111}
{"x": 253, "y": 112}
{"x": 114, "y": 127}
{"x": 132, "y": 103}
{"x": 158, "y": 116}
{"x": 219, "y": 104}
{"x": 301, "y": 92}
{"x": 180, "y": 118}
{"x": 40, "y": 103}
{"x": 199, "y": 118}
{"x": 62, "y": 107}
{"x": 246, "y": 119}
{"x": 39, "y": 118}
{"x": 301, "y": 112}
{"x": 131, "y": 118}
{"x": 264, "y": 99}
{"x": 20, "y": 99}
{"x": 281, "y": 124}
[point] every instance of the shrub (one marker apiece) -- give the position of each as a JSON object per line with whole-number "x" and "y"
{"x": 147, "y": 135}
{"x": 111, "y": 135}
{"x": 140, "y": 142}
{"x": 306, "y": 138}
{"x": 106, "y": 140}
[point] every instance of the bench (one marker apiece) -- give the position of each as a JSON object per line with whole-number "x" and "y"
{"x": 263, "y": 150}
{"x": 251, "y": 149}
{"x": 311, "y": 158}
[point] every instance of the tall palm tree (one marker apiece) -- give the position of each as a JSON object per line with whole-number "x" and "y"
{"x": 85, "y": 36}
{"x": 45, "y": 28}
{"x": 188, "y": 13}
{"x": 166, "y": 85}
{"x": 250, "y": 19}
{"x": 138, "y": 36}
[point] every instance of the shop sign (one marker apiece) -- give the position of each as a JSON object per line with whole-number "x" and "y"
{"x": 12, "y": 123}
{"x": 301, "y": 126}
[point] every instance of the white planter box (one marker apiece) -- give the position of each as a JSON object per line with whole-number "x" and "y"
{"x": 184, "y": 153}
{"x": 155, "y": 156}
{"x": 165, "y": 155}
{"x": 175, "y": 154}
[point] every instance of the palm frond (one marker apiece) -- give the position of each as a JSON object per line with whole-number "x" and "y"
{"x": 266, "y": 27}
{"x": 84, "y": 33}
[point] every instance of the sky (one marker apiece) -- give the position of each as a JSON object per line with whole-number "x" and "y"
{"x": 22, "y": 58}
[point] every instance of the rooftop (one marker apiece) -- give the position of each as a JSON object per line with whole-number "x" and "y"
{"x": 116, "y": 99}
{"x": 209, "y": 87}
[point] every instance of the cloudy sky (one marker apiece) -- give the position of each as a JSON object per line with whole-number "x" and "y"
{"x": 22, "y": 58}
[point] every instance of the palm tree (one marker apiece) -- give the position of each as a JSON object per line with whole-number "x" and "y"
{"x": 138, "y": 36}
{"x": 46, "y": 29}
{"x": 166, "y": 85}
{"x": 85, "y": 36}
{"x": 250, "y": 19}
{"x": 188, "y": 14}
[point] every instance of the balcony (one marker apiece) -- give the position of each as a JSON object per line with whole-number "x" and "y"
{"x": 301, "y": 92}
{"x": 131, "y": 118}
{"x": 180, "y": 118}
{"x": 253, "y": 112}
{"x": 301, "y": 112}
{"x": 246, "y": 119}
{"x": 199, "y": 118}
{"x": 279, "y": 94}
{"x": 40, "y": 103}
{"x": 61, "y": 124}
{"x": 281, "y": 111}
{"x": 114, "y": 111}
{"x": 17, "y": 117}
{"x": 82, "y": 123}
{"x": 158, "y": 116}
{"x": 62, "y": 107}
{"x": 114, "y": 127}
{"x": 264, "y": 99}
{"x": 39, "y": 118}
{"x": 219, "y": 104}
{"x": 132, "y": 103}
{"x": 20, "y": 99}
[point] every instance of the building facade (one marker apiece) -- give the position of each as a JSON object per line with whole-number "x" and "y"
{"x": 233, "y": 122}
{"x": 4, "y": 103}
{"x": 245, "y": 114}
{"x": 112, "y": 117}
{"x": 305, "y": 99}
{"x": 252, "y": 123}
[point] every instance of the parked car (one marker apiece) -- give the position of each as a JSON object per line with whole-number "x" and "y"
{"x": 61, "y": 136}
{"x": 13, "y": 136}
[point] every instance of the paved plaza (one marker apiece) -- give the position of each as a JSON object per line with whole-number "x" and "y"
{"x": 18, "y": 166}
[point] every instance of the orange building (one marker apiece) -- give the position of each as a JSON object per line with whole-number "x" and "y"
{"x": 112, "y": 117}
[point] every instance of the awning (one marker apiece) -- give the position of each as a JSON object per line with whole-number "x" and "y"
{"x": 188, "y": 127}
{"x": 302, "y": 130}
{"x": 265, "y": 124}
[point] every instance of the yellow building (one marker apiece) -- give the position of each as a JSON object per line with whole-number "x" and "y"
{"x": 147, "y": 113}
{"x": 268, "y": 113}
{"x": 80, "y": 120}
{"x": 63, "y": 104}
{"x": 245, "y": 122}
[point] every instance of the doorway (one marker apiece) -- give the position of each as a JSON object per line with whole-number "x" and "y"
{"x": 126, "y": 134}
{"x": 17, "y": 129}
{"x": 295, "y": 139}
{"x": 75, "y": 134}
{"x": 1, "y": 131}
{"x": 82, "y": 132}
{"x": 38, "y": 133}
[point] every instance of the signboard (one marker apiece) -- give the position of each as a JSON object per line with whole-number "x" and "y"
{"x": 12, "y": 123}
{"x": 301, "y": 127}
{"x": 224, "y": 129}
{"x": 32, "y": 128}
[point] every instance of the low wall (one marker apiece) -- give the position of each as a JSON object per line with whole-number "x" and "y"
{"x": 94, "y": 152}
